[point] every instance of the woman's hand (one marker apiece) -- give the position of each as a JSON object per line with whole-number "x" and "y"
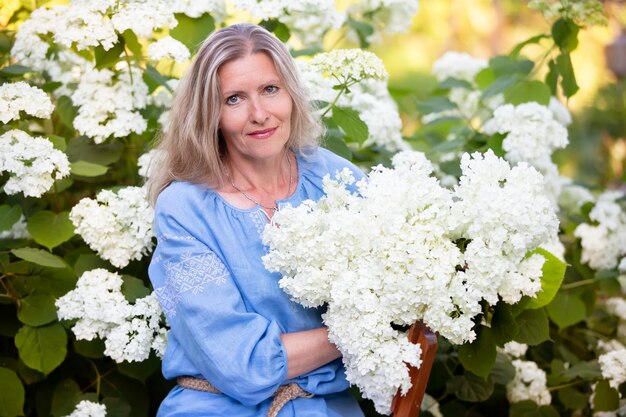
{"x": 308, "y": 350}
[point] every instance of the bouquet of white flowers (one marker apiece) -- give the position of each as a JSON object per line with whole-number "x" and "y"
{"x": 402, "y": 248}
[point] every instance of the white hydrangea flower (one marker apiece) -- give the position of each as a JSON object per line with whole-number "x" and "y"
{"x": 110, "y": 108}
{"x": 162, "y": 96}
{"x": 515, "y": 349}
{"x": 616, "y": 306}
{"x": 532, "y": 133}
{"x": 19, "y": 230}
{"x": 386, "y": 16}
{"x": 168, "y": 47}
{"x": 19, "y": 96}
{"x": 117, "y": 225}
{"x": 85, "y": 24}
{"x": 370, "y": 98}
{"x": 613, "y": 366}
{"x": 143, "y": 16}
{"x": 458, "y": 65}
{"x": 29, "y": 48}
{"x": 32, "y": 162}
{"x": 129, "y": 331}
{"x": 604, "y": 244}
{"x": 89, "y": 409}
{"x": 573, "y": 196}
{"x": 560, "y": 112}
{"x": 196, "y": 8}
{"x": 149, "y": 161}
{"x": 585, "y": 12}
{"x": 606, "y": 346}
{"x": 308, "y": 20}
{"x": 529, "y": 384}
{"x": 388, "y": 255}
{"x": 349, "y": 66}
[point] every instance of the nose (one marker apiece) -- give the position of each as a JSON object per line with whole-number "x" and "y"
{"x": 258, "y": 112}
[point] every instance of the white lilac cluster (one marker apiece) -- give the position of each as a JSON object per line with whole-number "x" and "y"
{"x": 529, "y": 384}
{"x": 370, "y": 98}
{"x": 385, "y": 16}
{"x": 168, "y": 47}
{"x": 349, "y": 66}
{"x": 470, "y": 106}
{"x": 32, "y": 163}
{"x": 149, "y": 162}
{"x": 89, "y": 409}
{"x": 515, "y": 349}
{"x": 196, "y": 8}
{"x": 117, "y": 225}
{"x": 308, "y": 20}
{"x": 584, "y": 12}
{"x": 613, "y": 366}
{"x": 130, "y": 331}
{"x": 604, "y": 243}
{"x": 20, "y": 96}
{"x": 108, "y": 105}
{"x": 388, "y": 254}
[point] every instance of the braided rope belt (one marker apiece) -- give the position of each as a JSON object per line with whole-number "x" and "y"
{"x": 282, "y": 396}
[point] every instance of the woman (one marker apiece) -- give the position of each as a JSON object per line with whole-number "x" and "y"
{"x": 241, "y": 143}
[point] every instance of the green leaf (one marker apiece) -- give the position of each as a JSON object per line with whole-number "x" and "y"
{"x": 506, "y": 66}
{"x": 566, "y": 309}
{"x": 9, "y": 215}
{"x": 503, "y": 370}
{"x": 87, "y": 262}
{"x": 350, "y": 122}
{"x": 42, "y": 348}
{"x": 58, "y": 142}
{"x": 14, "y": 69}
{"x": 565, "y": 34}
{"x": 518, "y": 48}
{"x": 66, "y": 110}
{"x": 500, "y": 85}
{"x": 526, "y": 91}
{"x": 133, "y": 288}
{"x": 50, "y": 229}
{"x": 65, "y": 397}
{"x": 533, "y": 327}
{"x": 153, "y": 78}
{"x": 116, "y": 407}
{"x": 277, "y": 28}
{"x": 572, "y": 399}
{"x": 568, "y": 78}
{"x": 552, "y": 77}
{"x": 485, "y": 77}
{"x": 132, "y": 43}
{"x": 12, "y": 394}
{"x": 37, "y": 309}
{"x": 28, "y": 375}
{"x": 336, "y": 144}
{"x": 469, "y": 387}
{"x": 605, "y": 398}
{"x": 192, "y": 31}
{"x": 528, "y": 408}
{"x": 50, "y": 86}
{"x": 90, "y": 348}
{"x": 451, "y": 82}
{"x": 435, "y": 105}
{"x": 587, "y": 371}
{"x": 553, "y": 273}
{"x": 84, "y": 149}
{"x": 480, "y": 355}
{"x": 108, "y": 58}
{"x": 363, "y": 31}
{"x": 87, "y": 169}
{"x": 39, "y": 257}
{"x": 140, "y": 370}
{"x": 503, "y": 325}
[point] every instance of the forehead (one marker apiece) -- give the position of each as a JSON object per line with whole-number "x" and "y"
{"x": 249, "y": 71}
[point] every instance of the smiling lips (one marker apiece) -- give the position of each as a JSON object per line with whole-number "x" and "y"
{"x": 262, "y": 134}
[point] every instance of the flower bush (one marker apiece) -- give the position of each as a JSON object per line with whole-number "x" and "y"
{"x": 530, "y": 266}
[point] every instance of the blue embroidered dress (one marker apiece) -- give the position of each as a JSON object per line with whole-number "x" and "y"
{"x": 227, "y": 312}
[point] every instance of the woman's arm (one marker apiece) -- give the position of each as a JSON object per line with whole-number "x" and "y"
{"x": 308, "y": 350}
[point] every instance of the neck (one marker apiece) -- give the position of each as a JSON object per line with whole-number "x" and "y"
{"x": 265, "y": 176}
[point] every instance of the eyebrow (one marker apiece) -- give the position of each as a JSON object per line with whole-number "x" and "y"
{"x": 264, "y": 84}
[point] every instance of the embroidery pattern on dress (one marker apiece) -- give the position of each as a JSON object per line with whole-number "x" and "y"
{"x": 190, "y": 275}
{"x": 259, "y": 218}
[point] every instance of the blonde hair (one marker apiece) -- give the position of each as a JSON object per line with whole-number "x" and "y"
{"x": 192, "y": 147}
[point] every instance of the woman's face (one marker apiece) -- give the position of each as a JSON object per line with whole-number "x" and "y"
{"x": 255, "y": 120}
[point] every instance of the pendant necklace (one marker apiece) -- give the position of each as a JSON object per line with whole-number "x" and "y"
{"x": 275, "y": 207}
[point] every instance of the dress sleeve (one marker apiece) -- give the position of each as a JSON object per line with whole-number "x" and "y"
{"x": 238, "y": 351}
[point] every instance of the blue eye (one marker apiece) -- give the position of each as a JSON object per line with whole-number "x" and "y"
{"x": 232, "y": 100}
{"x": 271, "y": 89}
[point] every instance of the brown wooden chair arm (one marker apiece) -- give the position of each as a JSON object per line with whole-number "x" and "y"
{"x": 409, "y": 405}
